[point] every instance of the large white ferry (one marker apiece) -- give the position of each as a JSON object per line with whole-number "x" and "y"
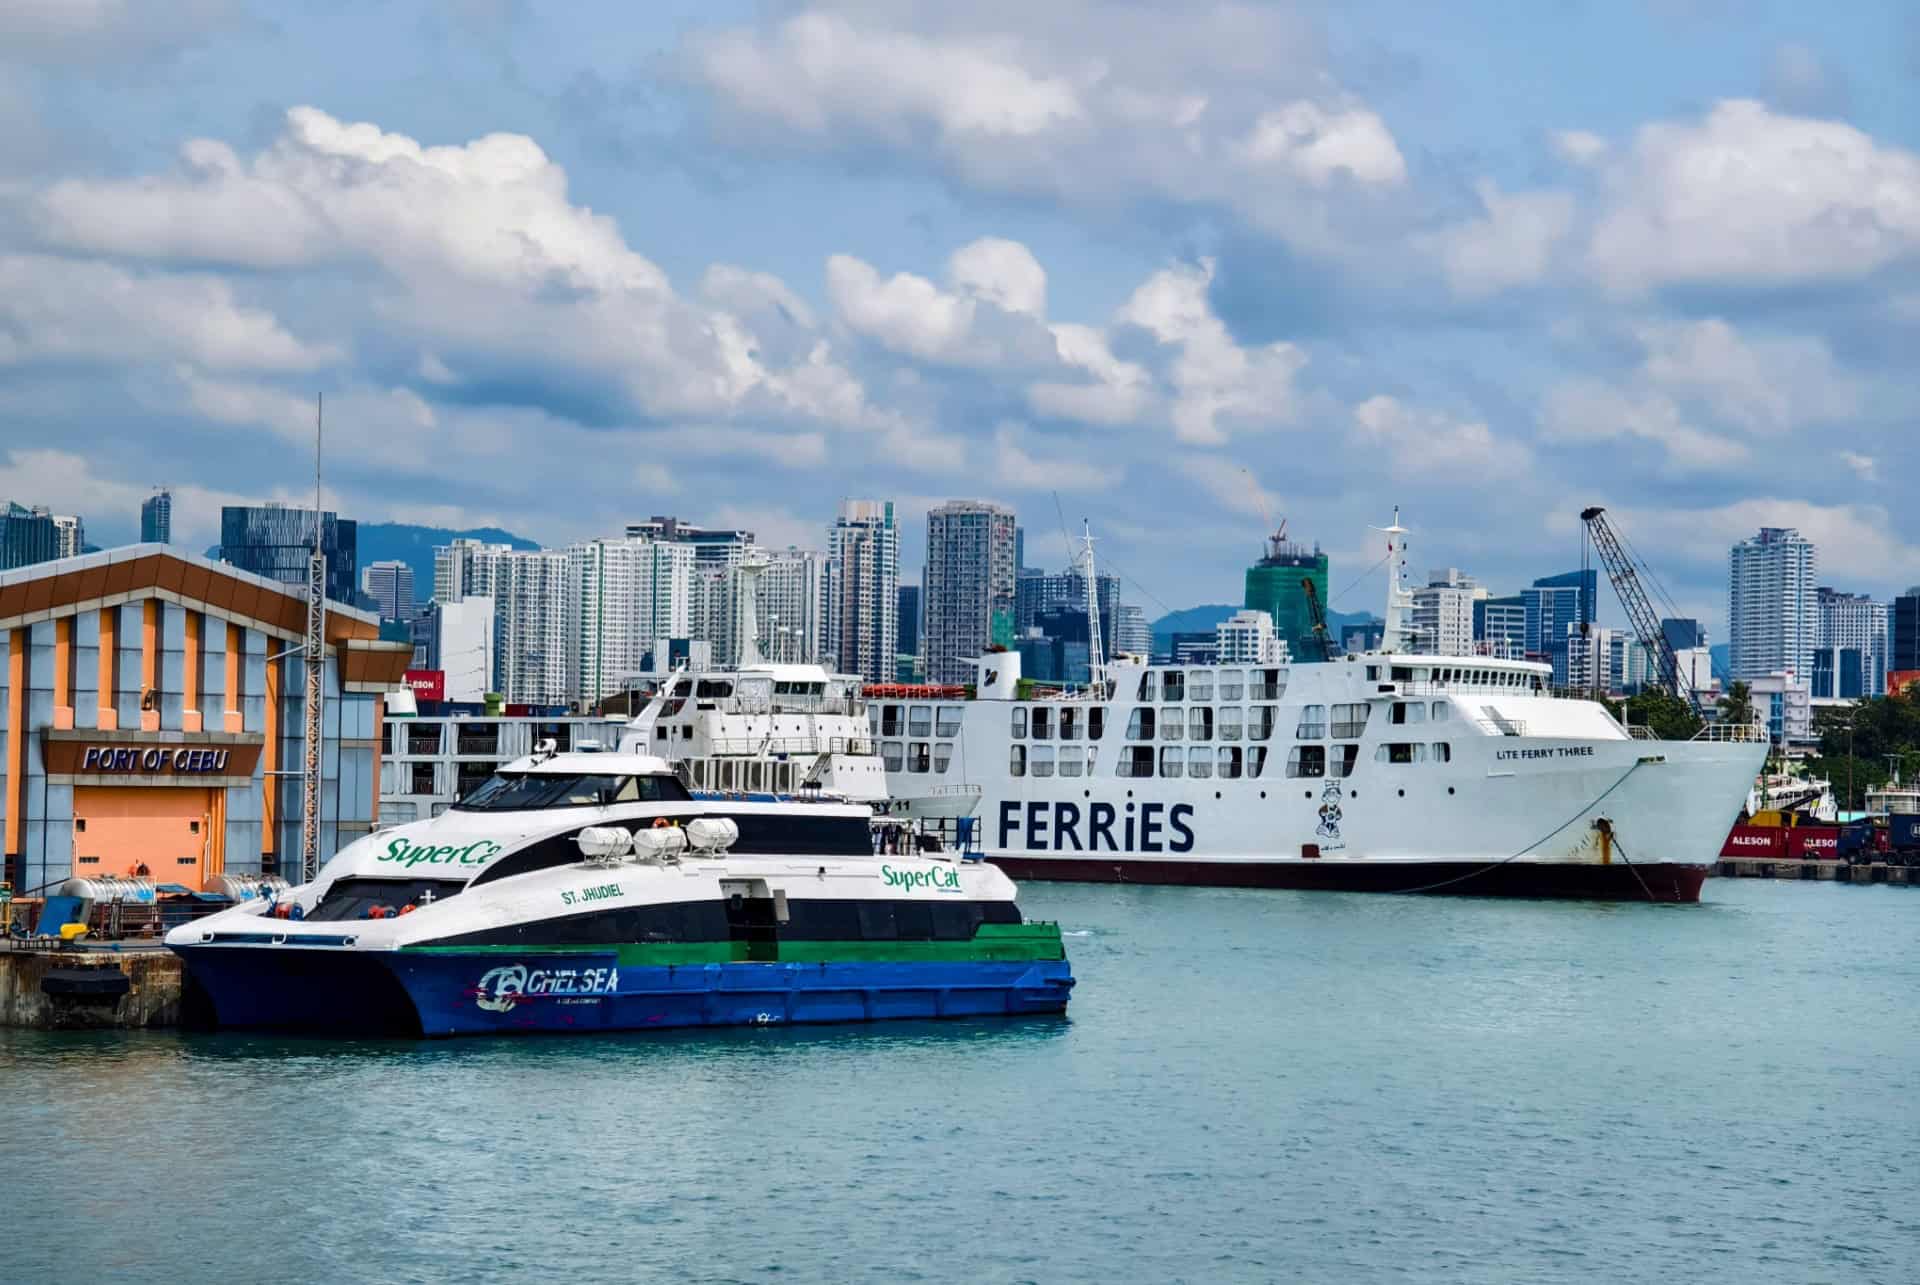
{"x": 1389, "y": 771}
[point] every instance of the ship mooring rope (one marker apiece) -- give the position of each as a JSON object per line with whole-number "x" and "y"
{"x": 1474, "y": 874}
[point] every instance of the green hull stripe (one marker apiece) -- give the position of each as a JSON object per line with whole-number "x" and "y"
{"x": 995, "y": 942}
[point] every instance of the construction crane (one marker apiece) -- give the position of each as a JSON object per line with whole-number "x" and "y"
{"x": 1322, "y": 640}
{"x": 1639, "y": 607}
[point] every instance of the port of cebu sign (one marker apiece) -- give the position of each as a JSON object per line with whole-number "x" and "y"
{"x": 148, "y": 760}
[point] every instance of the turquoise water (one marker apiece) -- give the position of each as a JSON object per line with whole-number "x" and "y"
{"x": 1252, "y": 1086}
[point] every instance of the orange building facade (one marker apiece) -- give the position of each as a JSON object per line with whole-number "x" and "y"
{"x": 153, "y": 720}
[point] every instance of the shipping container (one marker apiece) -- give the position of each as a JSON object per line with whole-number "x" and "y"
{"x": 1814, "y": 842}
{"x": 1904, "y": 830}
{"x": 1756, "y": 841}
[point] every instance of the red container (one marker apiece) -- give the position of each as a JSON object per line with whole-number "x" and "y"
{"x": 427, "y": 684}
{"x": 1755, "y": 841}
{"x": 1814, "y": 843}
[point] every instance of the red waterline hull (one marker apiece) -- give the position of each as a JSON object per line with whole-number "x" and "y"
{"x": 1641, "y": 881}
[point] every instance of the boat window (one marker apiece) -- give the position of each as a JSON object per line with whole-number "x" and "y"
{"x": 1268, "y": 685}
{"x": 1170, "y": 761}
{"x": 1403, "y": 673}
{"x": 1017, "y": 760}
{"x": 1256, "y": 760}
{"x": 1409, "y": 712}
{"x": 1200, "y": 685}
{"x": 1070, "y": 760}
{"x": 352, "y": 898}
{"x": 1260, "y": 721}
{"x": 919, "y": 756}
{"x": 1136, "y": 760}
{"x": 1200, "y": 761}
{"x": 1145, "y": 692}
{"x": 1230, "y": 719}
{"x": 1307, "y": 760}
{"x": 942, "y": 755}
{"x": 1349, "y": 721}
{"x": 1040, "y": 761}
{"x": 919, "y": 720}
{"x": 1199, "y": 723}
{"x": 1442, "y": 711}
{"x": 1069, "y": 724}
{"x": 1019, "y": 721}
{"x": 1229, "y": 761}
{"x": 1140, "y": 725}
{"x": 527, "y": 791}
{"x": 1172, "y": 684}
{"x": 1442, "y": 752}
{"x": 873, "y": 719}
{"x": 1172, "y": 724}
{"x": 889, "y": 720}
{"x": 1313, "y": 723}
{"x": 892, "y": 756}
{"x": 948, "y": 723}
{"x": 1232, "y": 685}
{"x": 1343, "y": 760}
{"x": 1400, "y": 752}
{"x": 713, "y": 688}
{"x": 1096, "y": 723}
{"x": 1373, "y": 673}
{"x": 1042, "y": 724}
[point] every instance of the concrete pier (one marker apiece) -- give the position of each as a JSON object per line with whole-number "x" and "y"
{"x": 1832, "y": 871}
{"x": 155, "y": 981}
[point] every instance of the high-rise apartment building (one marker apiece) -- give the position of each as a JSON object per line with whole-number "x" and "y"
{"x": 1248, "y": 637}
{"x": 793, "y": 606}
{"x": 69, "y": 536}
{"x": 1500, "y": 627}
{"x": 27, "y": 536}
{"x": 390, "y": 585}
{"x": 1277, "y": 585}
{"x": 1553, "y": 603}
{"x": 276, "y": 541}
{"x": 968, "y": 586}
{"x": 156, "y": 518}
{"x": 622, "y": 596}
{"x": 864, "y": 544}
{"x": 1773, "y": 615}
{"x": 1683, "y": 633}
{"x": 712, "y": 546}
{"x": 1443, "y": 613}
{"x": 1855, "y": 624}
{"x": 909, "y": 618}
{"x": 464, "y": 569}
{"x": 1904, "y": 633}
{"x": 531, "y": 601}
{"x": 1133, "y": 636}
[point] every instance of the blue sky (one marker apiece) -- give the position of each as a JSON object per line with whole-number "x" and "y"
{"x": 559, "y": 265}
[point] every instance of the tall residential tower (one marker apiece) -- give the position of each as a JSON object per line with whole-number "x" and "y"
{"x": 1773, "y": 616}
{"x": 967, "y": 588}
{"x": 864, "y": 545}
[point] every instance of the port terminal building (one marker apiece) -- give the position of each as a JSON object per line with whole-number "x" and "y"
{"x": 153, "y": 707}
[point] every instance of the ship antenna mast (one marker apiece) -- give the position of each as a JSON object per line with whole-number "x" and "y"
{"x": 1096, "y": 655}
{"x": 316, "y": 659}
{"x": 1399, "y": 599}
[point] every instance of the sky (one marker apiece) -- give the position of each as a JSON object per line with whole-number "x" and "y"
{"x": 1179, "y": 270}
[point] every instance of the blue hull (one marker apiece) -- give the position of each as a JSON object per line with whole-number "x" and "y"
{"x": 400, "y": 993}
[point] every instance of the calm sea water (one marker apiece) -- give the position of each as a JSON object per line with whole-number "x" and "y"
{"x": 1252, "y": 1086}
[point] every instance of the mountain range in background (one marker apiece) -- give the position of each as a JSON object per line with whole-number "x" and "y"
{"x": 1204, "y": 620}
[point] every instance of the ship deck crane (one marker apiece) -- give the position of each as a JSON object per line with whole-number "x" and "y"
{"x": 1322, "y": 640}
{"x": 1638, "y": 606}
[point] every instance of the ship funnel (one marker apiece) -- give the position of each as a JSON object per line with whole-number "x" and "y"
{"x": 999, "y": 676}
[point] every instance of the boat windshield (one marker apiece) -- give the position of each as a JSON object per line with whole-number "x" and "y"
{"x": 531, "y": 791}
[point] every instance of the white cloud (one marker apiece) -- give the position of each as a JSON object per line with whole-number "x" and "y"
{"x": 1864, "y": 467}
{"x": 1856, "y": 541}
{"x": 1590, "y": 410}
{"x": 58, "y": 310}
{"x": 1765, "y": 385}
{"x": 991, "y": 317}
{"x": 1426, "y": 444}
{"x": 1512, "y": 244}
{"x": 1752, "y": 195}
{"x": 1120, "y": 391}
{"x": 1091, "y": 102}
{"x": 1229, "y": 484}
{"x": 1578, "y": 146}
{"x": 1016, "y": 468}
{"x": 89, "y": 30}
{"x": 68, "y": 482}
{"x": 1217, "y": 385}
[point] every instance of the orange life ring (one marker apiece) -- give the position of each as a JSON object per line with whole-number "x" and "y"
{"x": 660, "y": 823}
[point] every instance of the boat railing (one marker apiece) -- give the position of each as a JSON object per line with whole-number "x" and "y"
{"x": 754, "y": 746}
{"x": 1739, "y": 733}
{"x": 1494, "y": 725}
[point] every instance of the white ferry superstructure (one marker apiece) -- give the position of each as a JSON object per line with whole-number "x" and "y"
{"x": 1388, "y": 770}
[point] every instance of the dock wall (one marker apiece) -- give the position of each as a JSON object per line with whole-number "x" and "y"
{"x": 156, "y": 976}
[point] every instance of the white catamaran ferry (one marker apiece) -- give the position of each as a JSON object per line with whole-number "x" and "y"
{"x": 1388, "y": 771}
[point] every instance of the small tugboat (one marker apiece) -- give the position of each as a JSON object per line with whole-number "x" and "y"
{"x": 596, "y": 892}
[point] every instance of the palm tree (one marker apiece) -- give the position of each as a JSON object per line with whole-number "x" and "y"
{"x": 1737, "y": 705}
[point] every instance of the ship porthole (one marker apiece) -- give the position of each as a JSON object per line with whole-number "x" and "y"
{"x": 1403, "y": 794}
{"x": 1449, "y": 789}
{"x": 1263, "y": 794}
